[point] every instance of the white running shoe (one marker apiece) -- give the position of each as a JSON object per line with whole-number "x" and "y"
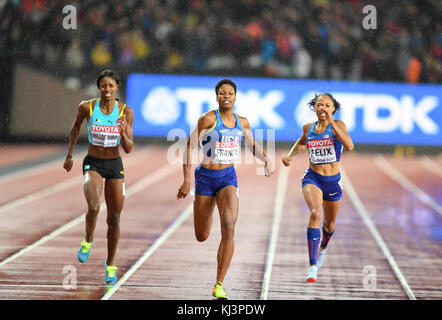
{"x": 321, "y": 256}
{"x": 312, "y": 274}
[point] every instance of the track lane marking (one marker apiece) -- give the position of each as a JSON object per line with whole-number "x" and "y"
{"x": 158, "y": 242}
{"x": 38, "y": 168}
{"x": 360, "y": 208}
{"x": 432, "y": 166}
{"x": 277, "y": 213}
{"x": 136, "y": 187}
{"x": 48, "y": 165}
{"x": 60, "y": 186}
{"x": 394, "y": 174}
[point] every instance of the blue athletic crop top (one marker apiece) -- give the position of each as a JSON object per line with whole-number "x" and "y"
{"x": 323, "y": 147}
{"x": 103, "y": 130}
{"x": 222, "y": 143}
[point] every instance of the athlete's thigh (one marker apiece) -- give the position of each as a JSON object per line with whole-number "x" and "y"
{"x": 227, "y": 202}
{"x": 92, "y": 187}
{"x": 313, "y": 197}
{"x": 202, "y": 211}
{"x": 331, "y": 209}
{"x": 114, "y": 194}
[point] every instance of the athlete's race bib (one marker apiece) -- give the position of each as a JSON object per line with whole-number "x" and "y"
{"x": 226, "y": 152}
{"x": 321, "y": 151}
{"x": 105, "y": 136}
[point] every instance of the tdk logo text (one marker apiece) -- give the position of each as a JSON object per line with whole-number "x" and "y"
{"x": 374, "y": 113}
{"x": 162, "y": 106}
{"x": 381, "y": 113}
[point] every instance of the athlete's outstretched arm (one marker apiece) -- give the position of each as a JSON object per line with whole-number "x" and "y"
{"x": 204, "y": 122}
{"x": 257, "y": 151}
{"x": 83, "y": 109}
{"x": 299, "y": 145}
{"x": 191, "y": 144}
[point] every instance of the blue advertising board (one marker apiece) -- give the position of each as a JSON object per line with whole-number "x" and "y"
{"x": 374, "y": 113}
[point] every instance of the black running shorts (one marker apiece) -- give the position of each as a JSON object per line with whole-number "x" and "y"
{"x": 107, "y": 168}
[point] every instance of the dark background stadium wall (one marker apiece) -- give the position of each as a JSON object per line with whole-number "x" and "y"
{"x": 43, "y": 108}
{"x": 6, "y": 82}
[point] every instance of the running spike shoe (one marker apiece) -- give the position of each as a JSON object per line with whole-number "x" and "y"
{"x": 111, "y": 275}
{"x": 321, "y": 256}
{"x": 218, "y": 292}
{"x": 85, "y": 249}
{"x": 312, "y": 274}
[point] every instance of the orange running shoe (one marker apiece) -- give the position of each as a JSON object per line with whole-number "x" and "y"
{"x": 312, "y": 274}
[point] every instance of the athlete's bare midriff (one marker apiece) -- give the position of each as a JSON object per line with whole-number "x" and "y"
{"x": 208, "y": 163}
{"x": 102, "y": 152}
{"x": 327, "y": 169}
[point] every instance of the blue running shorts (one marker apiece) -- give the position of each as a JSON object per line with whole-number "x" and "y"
{"x": 331, "y": 186}
{"x": 208, "y": 182}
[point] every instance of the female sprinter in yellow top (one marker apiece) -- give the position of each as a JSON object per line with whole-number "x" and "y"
{"x": 109, "y": 124}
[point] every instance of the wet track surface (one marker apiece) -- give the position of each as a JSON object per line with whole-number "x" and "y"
{"x": 387, "y": 243}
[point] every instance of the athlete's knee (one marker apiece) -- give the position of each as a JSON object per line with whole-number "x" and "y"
{"x": 329, "y": 226}
{"x": 315, "y": 215}
{"x": 93, "y": 208}
{"x": 202, "y": 235}
{"x": 228, "y": 229}
{"x": 202, "y": 225}
{"x": 113, "y": 220}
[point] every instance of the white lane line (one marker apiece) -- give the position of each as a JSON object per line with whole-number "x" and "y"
{"x": 47, "y": 237}
{"x": 407, "y": 184}
{"x": 58, "y": 187}
{"x": 164, "y": 236}
{"x": 41, "y": 193}
{"x": 432, "y": 166}
{"x": 50, "y": 165}
{"x": 277, "y": 213}
{"x": 39, "y": 168}
{"x": 136, "y": 187}
{"x": 357, "y": 203}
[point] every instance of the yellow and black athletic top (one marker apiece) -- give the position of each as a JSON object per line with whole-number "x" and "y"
{"x": 103, "y": 130}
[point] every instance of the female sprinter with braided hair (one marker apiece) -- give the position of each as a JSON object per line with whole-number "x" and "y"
{"x": 321, "y": 183}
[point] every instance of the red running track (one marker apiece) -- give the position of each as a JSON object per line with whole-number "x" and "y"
{"x": 387, "y": 243}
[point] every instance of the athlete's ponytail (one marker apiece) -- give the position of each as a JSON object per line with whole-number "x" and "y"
{"x": 312, "y": 103}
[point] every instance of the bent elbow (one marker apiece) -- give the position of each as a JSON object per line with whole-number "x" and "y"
{"x": 128, "y": 149}
{"x": 350, "y": 147}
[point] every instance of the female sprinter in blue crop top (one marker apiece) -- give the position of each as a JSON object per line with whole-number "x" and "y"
{"x": 219, "y": 132}
{"x": 321, "y": 183}
{"x": 109, "y": 124}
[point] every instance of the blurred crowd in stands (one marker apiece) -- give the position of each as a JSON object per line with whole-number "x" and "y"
{"x": 316, "y": 39}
